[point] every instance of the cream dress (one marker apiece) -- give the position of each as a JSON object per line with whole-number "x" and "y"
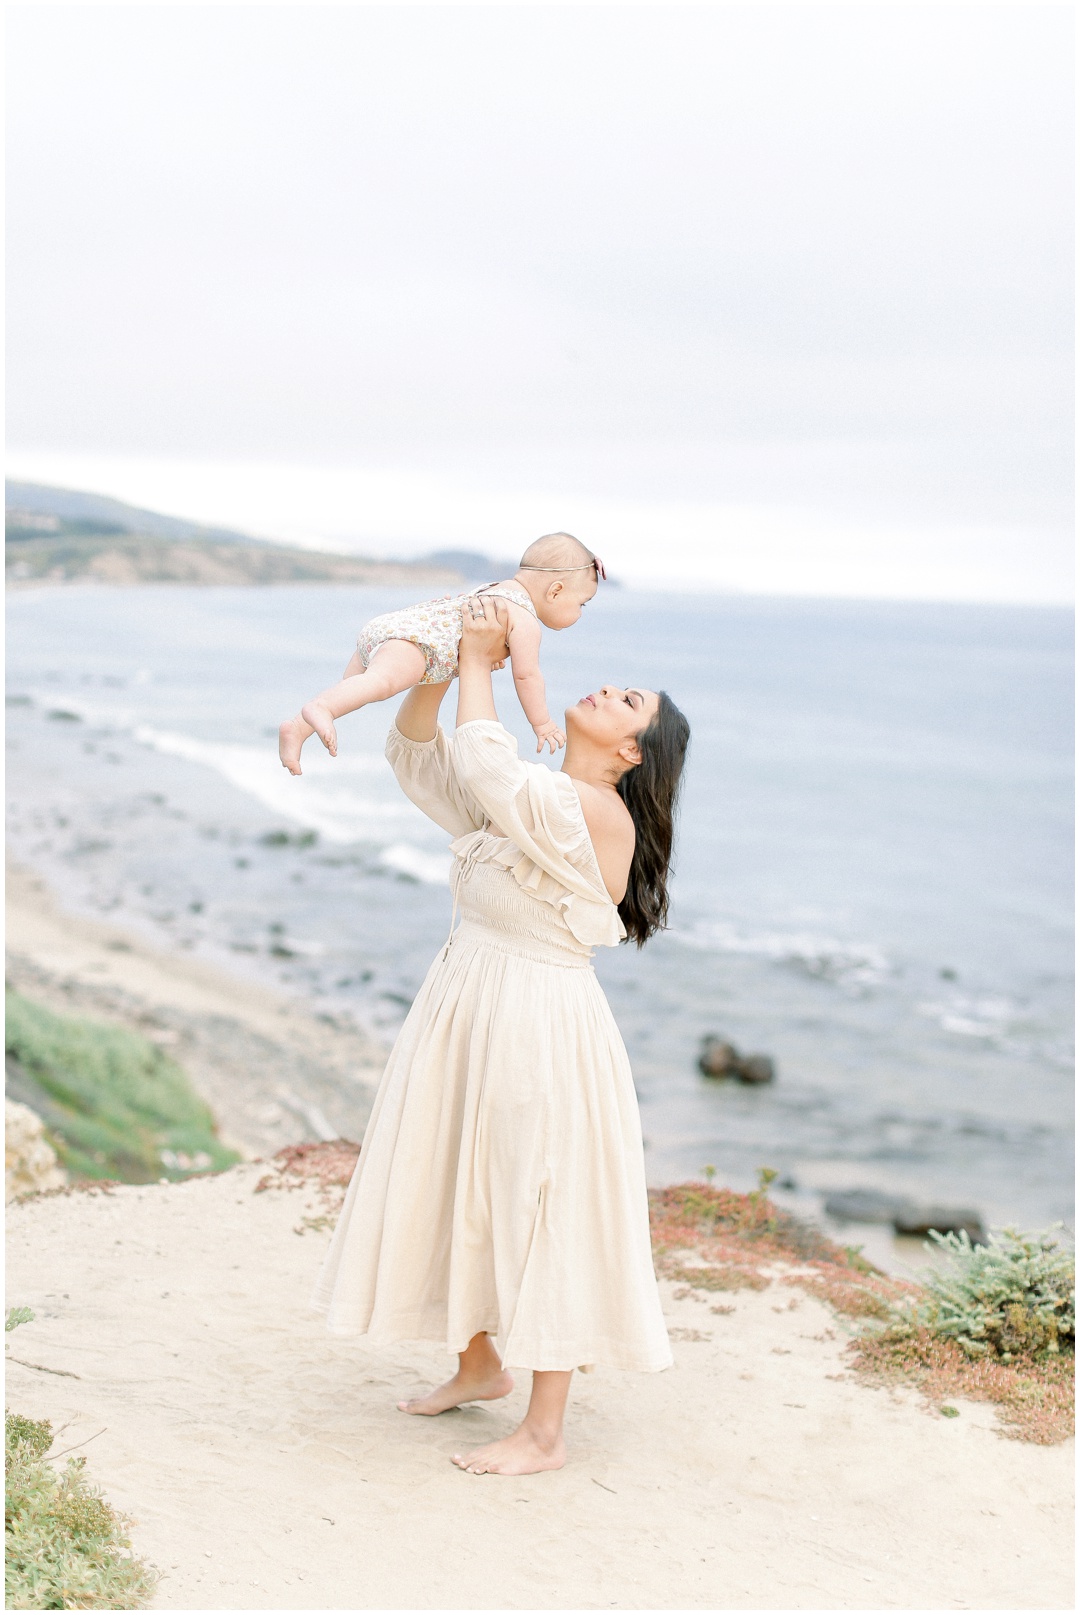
{"x": 501, "y": 1186}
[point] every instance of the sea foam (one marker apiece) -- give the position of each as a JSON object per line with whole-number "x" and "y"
{"x": 339, "y": 798}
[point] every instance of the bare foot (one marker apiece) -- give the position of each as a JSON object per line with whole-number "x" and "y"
{"x": 462, "y": 1388}
{"x": 291, "y": 736}
{"x": 321, "y": 720}
{"x": 523, "y": 1453}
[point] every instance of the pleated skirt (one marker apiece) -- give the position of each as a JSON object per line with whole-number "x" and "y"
{"x": 501, "y": 1184}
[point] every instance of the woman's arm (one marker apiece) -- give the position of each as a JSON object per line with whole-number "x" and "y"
{"x": 483, "y": 641}
{"x": 417, "y": 751}
{"x": 418, "y": 714}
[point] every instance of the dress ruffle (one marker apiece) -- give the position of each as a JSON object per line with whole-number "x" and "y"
{"x": 521, "y": 816}
{"x": 595, "y": 925}
{"x": 535, "y": 827}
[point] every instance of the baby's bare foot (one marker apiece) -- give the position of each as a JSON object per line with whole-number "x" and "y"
{"x": 523, "y": 1453}
{"x": 460, "y": 1389}
{"x": 321, "y": 720}
{"x": 291, "y": 736}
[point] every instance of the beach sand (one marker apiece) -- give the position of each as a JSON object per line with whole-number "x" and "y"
{"x": 268, "y": 1468}
{"x": 266, "y": 1465}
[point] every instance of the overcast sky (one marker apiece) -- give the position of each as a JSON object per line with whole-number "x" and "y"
{"x": 775, "y": 295}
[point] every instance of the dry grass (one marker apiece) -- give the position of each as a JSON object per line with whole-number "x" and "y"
{"x": 854, "y": 1294}
{"x": 1035, "y": 1399}
{"x": 736, "y": 1227}
{"x": 75, "y": 1186}
{"x": 745, "y": 1241}
{"x": 727, "y": 1277}
{"x": 328, "y": 1166}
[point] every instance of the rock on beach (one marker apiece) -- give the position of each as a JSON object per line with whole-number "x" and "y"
{"x": 30, "y": 1163}
{"x": 942, "y": 1220}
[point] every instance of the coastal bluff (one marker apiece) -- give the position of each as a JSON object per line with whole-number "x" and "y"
{"x": 266, "y": 1466}
{"x": 60, "y": 535}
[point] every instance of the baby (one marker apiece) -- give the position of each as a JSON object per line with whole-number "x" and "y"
{"x": 419, "y": 645}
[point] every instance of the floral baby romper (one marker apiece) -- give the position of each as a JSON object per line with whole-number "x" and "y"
{"x": 434, "y": 625}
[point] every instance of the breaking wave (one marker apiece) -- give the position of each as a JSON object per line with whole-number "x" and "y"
{"x": 344, "y": 799}
{"x": 823, "y": 958}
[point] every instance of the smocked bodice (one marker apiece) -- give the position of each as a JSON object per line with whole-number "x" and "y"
{"x": 496, "y": 912}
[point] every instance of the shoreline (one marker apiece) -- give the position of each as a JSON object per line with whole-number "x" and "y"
{"x": 150, "y": 814}
{"x": 271, "y": 1073}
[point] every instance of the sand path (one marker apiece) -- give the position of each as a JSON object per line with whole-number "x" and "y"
{"x": 267, "y": 1466}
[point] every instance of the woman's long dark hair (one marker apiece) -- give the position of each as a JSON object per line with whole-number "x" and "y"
{"x": 651, "y": 791}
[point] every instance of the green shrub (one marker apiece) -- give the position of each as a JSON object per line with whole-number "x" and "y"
{"x": 114, "y": 1104}
{"x": 66, "y": 1548}
{"x": 1015, "y": 1297}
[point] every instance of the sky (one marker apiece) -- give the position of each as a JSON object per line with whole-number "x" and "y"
{"x": 760, "y": 297}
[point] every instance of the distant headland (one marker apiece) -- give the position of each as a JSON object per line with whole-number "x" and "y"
{"x": 64, "y": 535}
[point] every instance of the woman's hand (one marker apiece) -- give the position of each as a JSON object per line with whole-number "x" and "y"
{"x": 484, "y": 623}
{"x": 483, "y": 643}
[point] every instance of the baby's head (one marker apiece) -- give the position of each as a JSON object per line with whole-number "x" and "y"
{"x": 560, "y": 576}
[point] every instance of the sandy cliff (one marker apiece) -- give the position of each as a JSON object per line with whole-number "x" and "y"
{"x": 267, "y": 1466}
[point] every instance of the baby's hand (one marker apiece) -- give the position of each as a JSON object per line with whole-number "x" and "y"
{"x": 549, "y": 734}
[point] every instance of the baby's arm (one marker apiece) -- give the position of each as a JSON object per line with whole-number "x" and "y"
{"x": 524, "y": 640}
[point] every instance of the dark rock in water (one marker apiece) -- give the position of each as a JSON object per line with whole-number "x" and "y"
{"x": 717, "y": 1058}
{"x": 943, "y": 1219}
{"x": 907, "y": 1216}
{"x": 721, "y": 1059}
{"x": 755, "y": 1068}
{"x": 867, "y": 1205}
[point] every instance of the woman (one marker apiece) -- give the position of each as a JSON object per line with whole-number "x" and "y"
{"x": 499, "y": 1202}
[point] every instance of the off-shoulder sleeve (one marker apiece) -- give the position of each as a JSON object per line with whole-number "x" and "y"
{"x": 425, "y": 771}
{"x": 540, "y": 833}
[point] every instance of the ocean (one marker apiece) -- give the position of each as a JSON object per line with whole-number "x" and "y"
{"x": 873, "y": 881}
